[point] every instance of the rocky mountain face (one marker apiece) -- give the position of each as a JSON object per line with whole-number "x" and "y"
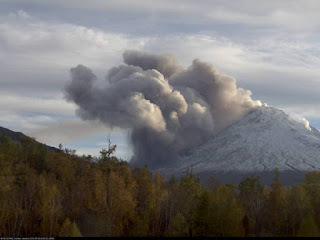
{"x": 265, "y": 139}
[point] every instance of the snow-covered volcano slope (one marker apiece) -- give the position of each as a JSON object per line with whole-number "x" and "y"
{"x": 265, "y": 139}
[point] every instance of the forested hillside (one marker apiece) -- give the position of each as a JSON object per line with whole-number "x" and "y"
{"x": 48, "y": 193}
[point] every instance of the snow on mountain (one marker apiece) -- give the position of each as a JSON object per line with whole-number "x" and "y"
{"x": 262, "y": 140}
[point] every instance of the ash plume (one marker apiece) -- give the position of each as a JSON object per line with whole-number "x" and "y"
{"x": 168, "y": 109}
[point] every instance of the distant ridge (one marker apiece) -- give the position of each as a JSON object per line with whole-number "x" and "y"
{"x": 17, "y": 136}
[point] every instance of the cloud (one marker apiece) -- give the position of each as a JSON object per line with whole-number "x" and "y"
{"x": 16, "y": 103}
{"x": 306, "y": 110}
{"x": 20, "y": 14}
{"x": 292, "y": 15}
{"x": 259, "y": 63}
{"x": 44, "y": 52}
{"x": 21, "y": 122}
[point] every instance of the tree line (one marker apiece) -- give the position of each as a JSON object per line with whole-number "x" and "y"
{"x": 48, "y": 193}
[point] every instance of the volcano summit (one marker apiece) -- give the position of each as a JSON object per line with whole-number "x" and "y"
{"x": 264, "y": 139}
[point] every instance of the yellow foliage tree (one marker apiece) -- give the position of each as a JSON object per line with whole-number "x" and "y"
{"x": 69, "y": 229}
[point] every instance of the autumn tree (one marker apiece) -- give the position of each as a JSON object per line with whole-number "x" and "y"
{"x": 69, "y": 229}
{"x": 253, "y": 201}
{"x": 228, "y": 213}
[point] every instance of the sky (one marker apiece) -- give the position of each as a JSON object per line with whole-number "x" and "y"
{"x": 272, "y": 48}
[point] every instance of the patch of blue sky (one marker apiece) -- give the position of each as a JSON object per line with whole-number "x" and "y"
{"x": 93, "y": 145}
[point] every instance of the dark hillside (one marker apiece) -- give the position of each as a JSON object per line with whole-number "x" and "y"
{"x": 18, "y": 136}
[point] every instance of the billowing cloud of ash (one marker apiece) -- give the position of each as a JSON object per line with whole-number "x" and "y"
{"x": 168, "y": 109}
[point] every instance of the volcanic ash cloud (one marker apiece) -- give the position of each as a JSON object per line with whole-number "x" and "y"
{"x": 168, "y": 109}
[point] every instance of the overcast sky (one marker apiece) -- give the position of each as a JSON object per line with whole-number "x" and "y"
{"x": 271, "y": 47}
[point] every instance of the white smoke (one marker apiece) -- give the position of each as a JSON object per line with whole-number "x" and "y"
{"x": 306, "y": 124}
{"x": 301, "y": 120}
